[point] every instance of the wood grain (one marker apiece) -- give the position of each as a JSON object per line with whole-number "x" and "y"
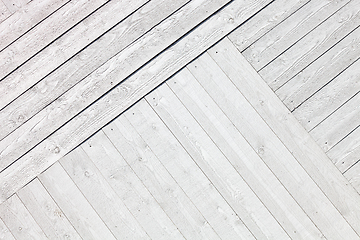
{"x": 5, "y": 233}
{"x": 123, "y": 96}
{"x": 243, "y": 157}
{"x": 157, "y": 179}
{"x": 46, "y": 213}
{"x": 353, "y": 176}
{"x": 130, "y": 189}
{"x": 297, "y": 141}
{"x": 4, "y": 12}
{"x": 323, "y": 70}
{"x": 312, "y": 46}
{"x": 217, "y": 211}
{"x": 329, "y": 98}
{"x": 78, "y": 67}
{"x": 104, "y": 78}
{"x": 19, "y": 221}
{"x": 44, "y": 33}
{"x": 15, "y": 5}
{"x": 73, "y": 204}
{"x": 263, "y": 21}
{"x": 64, "y": 48}
{"x": 101, "y": 196}
{"x": 288, "y": 32}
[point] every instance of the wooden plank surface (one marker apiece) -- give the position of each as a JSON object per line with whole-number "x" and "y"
{"x": 15, "y": 5}
{"x": 26, "y": 18}
{"x": 63, "y": 49}
{"x": 130, "y": 189}
{"x": 73, "y": 204}
{"x": 123, "y": 96}
{"x": 295, "y": 27}
{"x": 217, "y": 211}
{"x": 101, "y": 196}
{"x": 5, "y": 233}
{"x": 353, "y": 175}
{"x": 215, "y": 165}
{"x": 19, "y": 221}
{"x": 104, "y": 78}
{"x": 243, "y": 157}
{"x": 324, "y": 69}
{"x": 329, "y": 98}
{"x": 4, "y": 12}
{"x": 156, "y": 178}
{"x": 44, "y": 33}
{"x": 264, "y": 21}
{"x": 46, "y": 213}
{"x": 302, "y": 147}
{"x": 313, "y": 45}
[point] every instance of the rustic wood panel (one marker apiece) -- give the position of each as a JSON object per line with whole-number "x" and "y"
{"x": 4, "y": 12}
{"x": 15, "y": 5}
{"x": 5, "y": 233}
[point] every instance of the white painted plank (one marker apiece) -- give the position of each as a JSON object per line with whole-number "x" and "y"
{"x": 26, "y": 18}
{"x": 298, "y": 142}
{"x": 73, "y": 204}
{"x": 78, "y": 67}
{"x": 124, "y": 95}
{"x": 101, "y": 196}
{"x": 46, "y": 212}
{"x": 264, "y": 21}
{"x": 315, "y": 109}
{"x": 4, "y": 12}
{"x": 243, "y": 157}
{"x": 15, "y": 5}
{"x": 312, "y": 46}
{"x": 19, "y": 221}
{"x": 186, "y": 172}
{"x": 5, "y": 233}
{"x": 162, "y": 186}
{"x": 215, "y": 165}
{"x": 321, "y": 71}
{"x": 347, "y": 152}
{"x": 353, "y": 175}
{"x": 290, "y": 31}
{"x": 44, "y": 33}
{"x": 339, "y": 124}
{"x": 104, "y": 78}
{"x": 31, "y": 74}
{"x": 130, "y": 189}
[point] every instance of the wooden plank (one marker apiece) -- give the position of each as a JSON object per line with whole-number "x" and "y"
{"x": 312, "y": 46}
{"x": 73, "y": 204}
{"x": 5, "y": 233}
{"x": 63, "y": 49}
{"x": 124, "y": 95}
{"x": 45, "y": 32}
{"x": 101, "y": 196}
{"x": 315, "y": 109}
{"x": 46, "y": 212}
{"x": 26, "y": 18}
{"x": 15, "y": 5}
{"x": 243, "y": 157}
{"x": 353, "y": 175}
{"x": 297, "y": 142}
{"x": 186, "y": 172}
{"x": 263, "y": 21}
{"x": 215, "y": 165}
{"x": 346, "y": 153}
{"x": 4, "y": 12}
{"x": 78, "y": 67}
{"x": 130, "y": 189}
{"x": 339, "y": 124}
{"x": 156, "y": 178}
{"x": 321, "y": 71}
{"x": 295, "y": 27}
{"x": 19, "y": 221}
{"x": 104, "y": 78}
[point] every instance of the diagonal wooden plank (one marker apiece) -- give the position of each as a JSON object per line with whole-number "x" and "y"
{"x": 43, "y": 34}
{"x": 125, "y": 94}
{"x": 4, "y": 12}
{"x": 297, "y": 140}
{"x": 78, "y": 67}
{"x": 103, "y": 79}
{"x": 5, "y": 233}
{"x": 15, "y": 5}
{"x": 64, "y": 48}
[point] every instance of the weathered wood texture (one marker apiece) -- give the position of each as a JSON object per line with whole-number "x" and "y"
{"x": 4, "y": 12}
{"x": 124, "y": 95}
